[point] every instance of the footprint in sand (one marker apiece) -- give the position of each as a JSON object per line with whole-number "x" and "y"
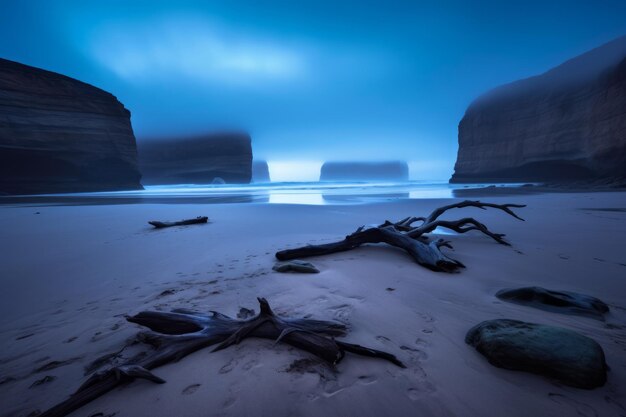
{"x": 423, "y": 387}
{"x": 341, "y": 312}
{"x": 413, "y": 393}
{"x": 367, "y": 379}
{"x": 253, "y": 363}
{"x": 191, "y": 389}
{"x": 419, "y": 354}
{"x": 229, "y": 402}
{"x": 228, "y": 367}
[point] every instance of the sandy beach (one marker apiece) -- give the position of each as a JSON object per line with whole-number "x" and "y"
{"x": 72, "y": 273}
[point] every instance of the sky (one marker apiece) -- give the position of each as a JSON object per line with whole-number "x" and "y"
{"x": 309, "y": 80}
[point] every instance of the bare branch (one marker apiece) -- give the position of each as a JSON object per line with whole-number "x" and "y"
{"x": 187, "y": 332}
{"x": 469, "y": 203}
{"x": 413, "y": 240}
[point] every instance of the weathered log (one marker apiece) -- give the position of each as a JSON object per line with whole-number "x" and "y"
{"x": 159, "y": 225}
{"x": 179, "y": 333}
{"x": 413, "y": 240}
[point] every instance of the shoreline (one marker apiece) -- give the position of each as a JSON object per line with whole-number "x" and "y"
{"x": 318, "y": 193}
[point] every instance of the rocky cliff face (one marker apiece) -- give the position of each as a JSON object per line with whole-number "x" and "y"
{"x": 566, "y": 124}
{"x": 365, "y": 171}
{"x": 197, "y": 160}
{"x": 260, "y": 171}
{"x": 58, "y": 134}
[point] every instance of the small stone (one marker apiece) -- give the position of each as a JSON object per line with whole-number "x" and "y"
{"x": 245, "y": 313}
{"x": 564, "y": 302}
{"x": 296, "y": 266}
{"x": 555, "y": 352}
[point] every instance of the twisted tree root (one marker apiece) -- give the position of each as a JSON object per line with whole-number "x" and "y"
{"x": 177, "y": 334}
{"x": 413, "y": 240}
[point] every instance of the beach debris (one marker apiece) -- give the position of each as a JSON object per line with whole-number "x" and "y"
{"x": 413, "y": 239}
{"x": 296, "y": 266}
{"x": 46, "y": 379}
{"x": 564, "y": 302}
{"x": 245, "y": 313}
{"x": 179, "y": 333}
{"x": 198, "y": 220}
{"x": 555, "y": 352}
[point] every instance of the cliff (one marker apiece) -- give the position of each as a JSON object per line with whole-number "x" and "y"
{"x": 197, "y": 160}
{"x": 564, "y": 125}
{"x": 260, "y": 171}
{"x": 365, "y": 171}
{"x": 58, "y": 135}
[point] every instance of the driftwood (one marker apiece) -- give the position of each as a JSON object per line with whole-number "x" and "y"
{"x": 177, "y": 334}
{"x": 197, "y": 220}
{"x": 413, "y": 239}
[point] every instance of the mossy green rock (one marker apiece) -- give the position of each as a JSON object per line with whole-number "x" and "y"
{"x": 555, "y": 352}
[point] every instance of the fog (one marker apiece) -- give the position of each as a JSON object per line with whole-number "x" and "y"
{"x": 311, "y": 81}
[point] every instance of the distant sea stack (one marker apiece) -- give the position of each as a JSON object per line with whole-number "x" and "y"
{"x": 365, "y": 171}
{"x": 260, "y": 171}
{"x": 206, "y": 159}
{"x": 567, "y": 124}
{"x": 60, "y": 135}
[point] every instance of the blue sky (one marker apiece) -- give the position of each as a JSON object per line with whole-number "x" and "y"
{"x": 310, "y": 80}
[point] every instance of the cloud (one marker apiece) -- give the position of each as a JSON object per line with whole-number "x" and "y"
{"x": 192, "y": 48}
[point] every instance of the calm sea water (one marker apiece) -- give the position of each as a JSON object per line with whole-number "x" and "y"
{"x": 315, "y": 193}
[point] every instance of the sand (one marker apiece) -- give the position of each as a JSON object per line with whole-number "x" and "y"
{"x": 70, "y": 274}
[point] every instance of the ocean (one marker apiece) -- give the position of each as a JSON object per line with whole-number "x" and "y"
{"x": 309, "y": 193}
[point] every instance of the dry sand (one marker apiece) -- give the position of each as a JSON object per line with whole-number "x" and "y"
{"x": 70, "y": 274}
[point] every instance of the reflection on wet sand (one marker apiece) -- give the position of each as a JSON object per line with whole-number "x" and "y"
{"x": 272, "y": 193}
{"x": 91, "y": 200}
{"x": 330, "y": 198}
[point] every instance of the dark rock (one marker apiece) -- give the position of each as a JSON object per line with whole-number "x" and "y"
{"x": 245, "y": 313}
{"x": 568, "y": 124}
{"x": 564, "y": 302}
{"x": 365, "y": 171}
{"x": 555, "y": 352}
{"x": 296, "y": 266}
{"x": 59, "y": 135}
{"x": 197, "y": 160}
{"x": 260, "y": 171}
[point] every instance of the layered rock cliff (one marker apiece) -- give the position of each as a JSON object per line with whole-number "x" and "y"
{"x": 566, "y": 124}
{"x": 202, "y": 159}
{"x": 260, "y": 171}
{"x": 365, "y": 171}
{"x": 58, "y": 134}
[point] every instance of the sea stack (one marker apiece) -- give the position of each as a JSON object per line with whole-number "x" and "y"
{"x": 568, "y": 124}
{"x": 365, "y": 171}
{"x": 222, "y": 157}
{"x": 260, "y": 171}
{"x": 60, "y": 135}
